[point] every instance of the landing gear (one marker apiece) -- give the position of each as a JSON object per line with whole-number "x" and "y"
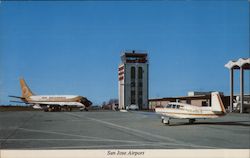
{"x": 84, "y": 108}
{"x": 52, "y": 108}
{"x": 166, "y": 122}
{"x": 191, "y": 121}
{"x": 162, "y": 119}
{"x": 66, "y": 108}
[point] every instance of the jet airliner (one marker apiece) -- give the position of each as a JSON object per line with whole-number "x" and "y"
{"x": 51, "y": 102}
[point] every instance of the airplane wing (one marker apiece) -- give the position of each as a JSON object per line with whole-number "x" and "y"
{"x": 17, "y": 101}
{"x": 12, "y": 96}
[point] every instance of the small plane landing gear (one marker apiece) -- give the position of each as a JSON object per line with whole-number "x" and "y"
{"x": 162, "y": 119}
{"x": 166, "y": 122}
{"x": 191, "y": 121}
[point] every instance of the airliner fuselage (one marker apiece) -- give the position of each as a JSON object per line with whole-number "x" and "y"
{"x": 57, "y": 99}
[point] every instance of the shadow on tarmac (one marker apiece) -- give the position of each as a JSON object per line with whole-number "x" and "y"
{"x": 231, "y": 123}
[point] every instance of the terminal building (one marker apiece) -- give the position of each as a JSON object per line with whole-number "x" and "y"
{"x": 133, "y": 80}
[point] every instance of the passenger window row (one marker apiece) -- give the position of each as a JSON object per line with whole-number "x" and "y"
{"x": 173, "y": 106}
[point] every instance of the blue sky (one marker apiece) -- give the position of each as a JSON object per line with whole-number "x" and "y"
{"x": 74, "y": 47}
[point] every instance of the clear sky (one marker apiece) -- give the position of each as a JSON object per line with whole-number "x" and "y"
{"x": 65, "y": 47}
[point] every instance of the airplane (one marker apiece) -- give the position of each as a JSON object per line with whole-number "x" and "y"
{"x": 51, "y": 102}
{"x": 175, "y": 110}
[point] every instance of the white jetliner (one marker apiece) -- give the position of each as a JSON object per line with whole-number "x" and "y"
{"x": 51, "y": 102}
{"x": 186, "y": 111}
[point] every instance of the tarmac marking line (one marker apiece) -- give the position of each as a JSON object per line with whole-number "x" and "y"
{"x": 66, "y": 134}
{"x": 111, "y": 140}
{"x": 16, "y": 128}
{"x": 115, "y": 145}
{"x": 135, "y": 143}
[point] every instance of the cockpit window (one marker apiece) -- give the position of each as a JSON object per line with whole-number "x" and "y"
{"x": 169, "y": 106}
{"x": 174, "y": 106}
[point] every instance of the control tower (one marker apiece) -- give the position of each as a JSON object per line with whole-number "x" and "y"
{"x": 133, "y": 80}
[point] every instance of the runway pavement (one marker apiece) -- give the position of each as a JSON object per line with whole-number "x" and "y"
{"x": 119, "y": 130}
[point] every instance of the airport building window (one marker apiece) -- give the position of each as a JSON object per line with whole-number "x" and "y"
{"x": 140, "y": 73}
{"x": 132, "y": 72}
{"x": 132, "y": 85}
{"x": 140, "y": 93}
{"x": 140, "y": 102}
{"x": 139, "y": 87}
{"x": 132, "y": 97}
{"x": 140, "y": 84}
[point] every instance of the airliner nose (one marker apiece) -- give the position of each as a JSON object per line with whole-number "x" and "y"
{"x": 86, "y": 102}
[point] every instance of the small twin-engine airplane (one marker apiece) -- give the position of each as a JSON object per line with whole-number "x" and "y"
{"x": 176, "y": 110}
{"x": 51, "y": 102}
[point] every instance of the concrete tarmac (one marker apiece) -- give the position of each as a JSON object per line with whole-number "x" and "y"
{"x": 119, "y": 130}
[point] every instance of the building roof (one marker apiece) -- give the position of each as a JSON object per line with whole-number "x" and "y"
{"x": 134, "y": 57}
{"x": 135, "y": 54}
{"x": 242, "y": 62}
{"x": 196, "y": 97}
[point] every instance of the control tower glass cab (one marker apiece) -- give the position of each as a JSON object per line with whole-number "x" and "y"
{"x": 133, "y": 80}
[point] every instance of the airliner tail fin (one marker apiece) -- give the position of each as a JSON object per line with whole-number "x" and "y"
{"x": 26, "y": 92}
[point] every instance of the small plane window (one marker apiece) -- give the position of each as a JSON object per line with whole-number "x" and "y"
{"x": 174, "y": 106}
{"x": 178, "y": 106}
{"x": 169, "y": 106}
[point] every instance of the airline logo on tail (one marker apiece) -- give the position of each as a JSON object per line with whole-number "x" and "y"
{"x": 26, "y": 92}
